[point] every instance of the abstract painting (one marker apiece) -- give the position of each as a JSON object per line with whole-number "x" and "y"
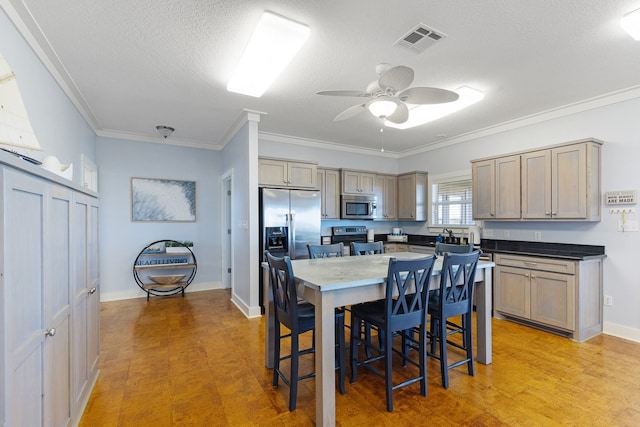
{"x": 163, "y": 200}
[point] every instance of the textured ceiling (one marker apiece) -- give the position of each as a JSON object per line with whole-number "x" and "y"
{"x": 133, "y": 64}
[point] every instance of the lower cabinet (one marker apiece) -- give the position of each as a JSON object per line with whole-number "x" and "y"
{"x": 561, "y": 295}
{"x": 392, "y": 248}
{"x": 40, "y": 343}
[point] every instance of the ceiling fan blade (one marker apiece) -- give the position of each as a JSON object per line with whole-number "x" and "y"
{"x": 397, "y": 78}
{"x": 427, "y": 95}
{"x": 401, "y": 114}
{"x": 343, "y": 93}
{"x": 350, "y": 112}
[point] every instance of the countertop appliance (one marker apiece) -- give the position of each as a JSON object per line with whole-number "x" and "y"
{"x": 346, "y": 235}
{"x": 289, "y": 220}
{"x": 357, "y": 207}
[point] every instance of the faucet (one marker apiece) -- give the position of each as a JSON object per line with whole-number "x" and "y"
{"x": 446, "y": 230}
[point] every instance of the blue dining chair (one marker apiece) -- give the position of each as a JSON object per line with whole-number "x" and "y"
{"x": 453, "y": 298}
{"x": 368, "y": 248}
{"x": 298, "y": 317}
{"x": 404, "y": 311}
{"x": 325, "y": 251}
{"x": 442, "y": 248}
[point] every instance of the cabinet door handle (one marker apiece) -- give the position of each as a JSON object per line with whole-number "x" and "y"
{"x": 92, "y": 290}
{"x": 531, "y": 263}
{"x": 533, "y": 276}
{"x": 547, "y": 213}
{"x": 50, "y": 332}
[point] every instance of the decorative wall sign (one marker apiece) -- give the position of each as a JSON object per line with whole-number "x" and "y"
{"x": 163, "y": 200}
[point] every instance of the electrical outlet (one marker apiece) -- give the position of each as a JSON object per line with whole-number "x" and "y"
{"x": 537, "y": 235}
{"x": 487, "y": 233}
{"x": 608, "y": 300}
{"x": 505, "y": 233}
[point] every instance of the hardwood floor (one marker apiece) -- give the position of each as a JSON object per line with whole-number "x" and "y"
{"x": 197, "y": 361}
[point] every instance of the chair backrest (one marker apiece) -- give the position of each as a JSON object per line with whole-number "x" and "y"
{"x": 369, "y": 248}
{"x": 441, "y": 248}
{"x": 283, "y": 288}
{"x": 326, "y": 251}
{"x": 457, "y": 283}
{"x": 406, "y": 292}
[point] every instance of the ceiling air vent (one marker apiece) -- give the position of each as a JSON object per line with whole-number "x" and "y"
{"x": 419, "y": 38}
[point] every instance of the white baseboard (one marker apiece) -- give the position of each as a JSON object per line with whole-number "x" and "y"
{"x": 139, "y": 293}
{"x": 244, "y": 308}
{"x": 621, "y": 331}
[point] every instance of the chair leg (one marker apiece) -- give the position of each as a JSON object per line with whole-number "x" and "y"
{"x": 340, "y": 353}
{"x": 293, "y": 376}
{"x": 422, "y": 358}
{"x": 388, "y": 355}
{"x": 276, "y": 355}
{"x": 442, "y": 337}
{"x": 468, "y": 339}
{"x": 367, "y": 337}
{"x": 433, "y": 327}
{"x": 353, "y": 357}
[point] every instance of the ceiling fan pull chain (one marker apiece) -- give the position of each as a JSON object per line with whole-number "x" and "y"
{"x": 382, "y": 135}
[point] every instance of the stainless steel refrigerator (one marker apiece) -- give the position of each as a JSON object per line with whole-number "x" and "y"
{"x": 289, "y": 220}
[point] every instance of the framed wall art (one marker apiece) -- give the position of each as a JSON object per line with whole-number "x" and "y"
{"x": 163, "y": 200}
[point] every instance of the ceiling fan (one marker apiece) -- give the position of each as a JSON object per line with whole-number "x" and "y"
{"x": 390, "y": 94}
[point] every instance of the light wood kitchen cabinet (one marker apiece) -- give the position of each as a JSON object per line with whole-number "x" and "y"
{"x": 40, "y": 277}
{"x": 386, "y": 191}
{"x": 358, "y": 182}
{"x": 412, "y": 196}
{"x": 496, "y": 188}
{"x": 556, "y": 294}
{"x": 562, "y": 183}
{"x": 392, "y": 248}
{"x": 283, "y": 173}
{"x": 329, "y": 186}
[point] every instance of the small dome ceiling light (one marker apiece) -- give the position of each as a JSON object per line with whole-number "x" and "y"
{"x": 165, "y": 131}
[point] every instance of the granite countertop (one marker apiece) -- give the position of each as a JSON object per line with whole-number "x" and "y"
{"x": 554, "y": 250}
{"x": 516, "y": 247}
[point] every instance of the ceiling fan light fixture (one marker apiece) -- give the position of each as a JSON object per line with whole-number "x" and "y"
{"x": 274, "y": 42}
{"x": 382, "y": 107}
{"x": 165, "y": 131}
{"x": 421, "y": 114}
{"x": 631, "y": 24}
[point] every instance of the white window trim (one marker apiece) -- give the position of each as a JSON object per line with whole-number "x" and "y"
{"x": 436, "y": 179}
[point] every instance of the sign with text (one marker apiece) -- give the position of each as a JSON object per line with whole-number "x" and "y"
{"x": 627, "y": 197}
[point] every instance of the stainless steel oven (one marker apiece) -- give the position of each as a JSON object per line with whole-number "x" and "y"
{"x": 357, "y": 207}
{"x": 346, "y": 235}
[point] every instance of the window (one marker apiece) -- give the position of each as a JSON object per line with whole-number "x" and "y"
{"x": 451, "y": 201}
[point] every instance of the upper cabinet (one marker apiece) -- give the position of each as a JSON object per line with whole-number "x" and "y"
{"x": 283, "y": 173}
{"x": 562, "y": 183}
{"x": 554, "y": 183}
{"x": 386, "y": 190}
{"x": 358, "y": 182}
{"x": 412, "y": 196}
{"x": 329, "y": 186}
{"x": 496, "y": 188}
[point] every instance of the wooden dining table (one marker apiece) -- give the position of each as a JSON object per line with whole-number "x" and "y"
{"x": 328, "y": 283}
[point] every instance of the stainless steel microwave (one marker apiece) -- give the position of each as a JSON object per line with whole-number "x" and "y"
{"x": 357, "y": 207}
